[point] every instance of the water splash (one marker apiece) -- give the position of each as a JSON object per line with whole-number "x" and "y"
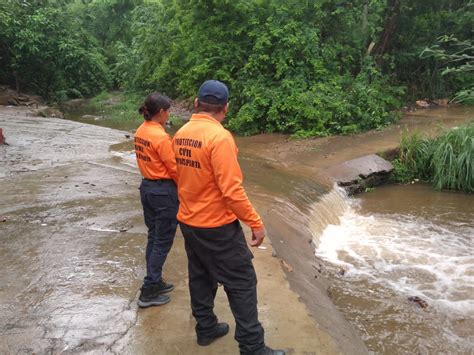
{"x": 409, "y": 253}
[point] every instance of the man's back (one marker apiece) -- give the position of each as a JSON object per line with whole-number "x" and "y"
{"x": 209, "y": 174}
{"x": 212, "y": 201}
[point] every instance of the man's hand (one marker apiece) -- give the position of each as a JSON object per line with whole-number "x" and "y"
{"x": 257, "y": 237}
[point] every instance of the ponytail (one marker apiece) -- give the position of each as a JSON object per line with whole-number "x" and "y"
{"x": 154, "y": 103}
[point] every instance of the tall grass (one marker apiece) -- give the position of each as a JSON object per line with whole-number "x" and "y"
{"x": 447, "y": 161}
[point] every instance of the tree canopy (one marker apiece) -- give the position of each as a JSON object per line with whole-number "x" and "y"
{"x": 303, "y": 67}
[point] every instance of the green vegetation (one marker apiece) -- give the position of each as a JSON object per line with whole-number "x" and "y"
{"x": 420, "y": 25}
{"x": 291, "y": 66}
{"x": 447, "y": 161}
{"x": 115, "y": 109}
{"x": 45, "y": 51}
{"x": 458, "y": 57}
{"x": 116, "y": 105}
{"x": 308, "y": 68}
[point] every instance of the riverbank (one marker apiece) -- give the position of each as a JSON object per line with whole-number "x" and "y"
{"x": 315, "y": 155}
{"x": 313, "y": 160}
{"x": 72, "y": 251}
{"x": 265, "y": 158}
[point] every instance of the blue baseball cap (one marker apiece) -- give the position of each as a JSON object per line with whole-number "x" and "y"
{"x": 213, "y": 92}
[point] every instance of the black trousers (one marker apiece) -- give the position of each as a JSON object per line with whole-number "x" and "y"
{"x": 160, "y": 206}
{"x": 221, "y": 255}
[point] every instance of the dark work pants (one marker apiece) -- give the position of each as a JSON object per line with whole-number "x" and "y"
{"x": 221, "y": 255}
{"x": 160, "y": 206}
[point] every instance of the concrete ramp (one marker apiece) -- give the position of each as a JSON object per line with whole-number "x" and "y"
{"x": 358, "y": 174}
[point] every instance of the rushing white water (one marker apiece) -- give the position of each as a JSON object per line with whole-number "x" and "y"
{"x": 411, "y": 254}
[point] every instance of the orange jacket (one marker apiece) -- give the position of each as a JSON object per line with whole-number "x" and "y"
{"x": 210, "y": 180}
{"x": 155, "y": 157}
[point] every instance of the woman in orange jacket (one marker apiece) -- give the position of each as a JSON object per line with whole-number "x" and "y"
{"x": 157, "y": 164}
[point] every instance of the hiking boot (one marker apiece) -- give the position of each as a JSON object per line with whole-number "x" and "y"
{"x": 266, "y": 351}
{"x": 220, "y": 330}
{"x": 151, "y": 296}
{"x": 164, "y": 287}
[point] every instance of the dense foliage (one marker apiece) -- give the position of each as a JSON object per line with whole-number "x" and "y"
{"x": 447, "y": 161}
{"x": 291, "y": 65}
{"x": 309, "y": 68}
{"x": 45, "y": 50}
{"x": 458, "y": 57}
{"x": 421, "y": 24}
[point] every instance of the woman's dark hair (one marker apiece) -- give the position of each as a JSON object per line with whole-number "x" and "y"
{"x": 153, "y": 104}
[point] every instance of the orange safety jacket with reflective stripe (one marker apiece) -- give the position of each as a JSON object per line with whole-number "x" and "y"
{"x": 210, "y": 180}
{"x": 154, "y": 152}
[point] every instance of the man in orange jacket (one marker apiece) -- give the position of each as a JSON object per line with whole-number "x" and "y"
{"x": 212, "y": 201}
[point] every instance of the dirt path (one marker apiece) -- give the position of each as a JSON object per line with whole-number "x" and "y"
{"x": 71, "y": 249}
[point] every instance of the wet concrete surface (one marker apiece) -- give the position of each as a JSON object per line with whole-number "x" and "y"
{"x": 358, "y": 174}
{"x": 72, "y": 244}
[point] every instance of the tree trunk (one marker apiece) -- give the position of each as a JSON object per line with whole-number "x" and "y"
{"x": 391, "y": 17}
{"x": 17, "y": 82}
{"x": 365, "y": 19}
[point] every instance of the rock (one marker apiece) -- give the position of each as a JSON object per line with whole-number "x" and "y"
{"x": 12, "y": 101}
{"x": 357, "y": 175}
{"x": 422, "y": 104}
{"x": 318, "y": 268}
{"x": 48, "y": 112}
{"x": 419, "y": 301}
{"x": 287, "y": 267}
{"x": 12, "y": 98}
{"x": 441, "y": 102}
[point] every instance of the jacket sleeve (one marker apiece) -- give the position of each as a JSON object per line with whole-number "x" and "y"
{"x": 166, "y": 154}
{"x": 229, "y": 180}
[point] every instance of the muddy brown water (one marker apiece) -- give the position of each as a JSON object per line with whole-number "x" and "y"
{"x": 380, "y": 248}
{"x": 399, "y": 242}
{"x": 81, "y": 111}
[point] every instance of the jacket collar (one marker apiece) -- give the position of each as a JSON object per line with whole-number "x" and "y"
{"x": 204, "y": 117}
{"x": 153, "y": 123}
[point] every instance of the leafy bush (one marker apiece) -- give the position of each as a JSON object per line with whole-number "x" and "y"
{"x": 287, "y": 71}
{"x": 458, "y": 58}
{"x": 420, "y": 25}
{"x": 47, "y": 53}
{"x": 308, "y": 68}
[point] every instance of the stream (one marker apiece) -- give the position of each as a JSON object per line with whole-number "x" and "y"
{"x": 400, "y": 259}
